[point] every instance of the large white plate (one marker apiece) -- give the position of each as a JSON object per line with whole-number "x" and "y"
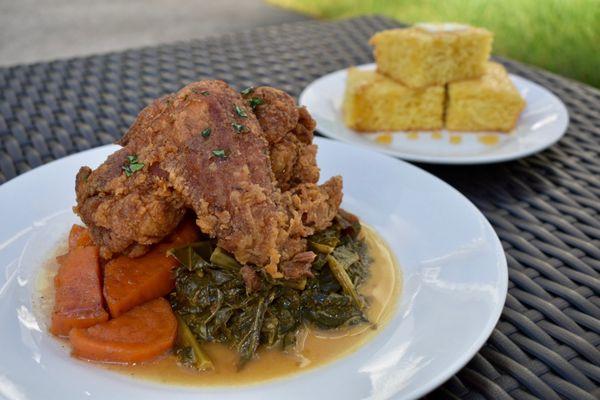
{"x": 455, "y": 282}
{"x": 543, "y": 122}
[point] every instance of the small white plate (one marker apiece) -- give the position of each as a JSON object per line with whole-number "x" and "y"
{"x": 454, "y": 287}
{"x": 543, "y": 122}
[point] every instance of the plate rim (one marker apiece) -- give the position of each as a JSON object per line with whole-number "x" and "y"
{"x": 500, "y": 264}
{"x": 458, "y": 364}
{"x": 490, "y": 158}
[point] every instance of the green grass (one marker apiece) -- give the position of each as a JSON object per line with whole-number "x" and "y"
{"x": 562, "y": 36}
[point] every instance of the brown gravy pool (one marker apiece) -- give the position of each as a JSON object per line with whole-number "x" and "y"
{"x": 320, "y": 347}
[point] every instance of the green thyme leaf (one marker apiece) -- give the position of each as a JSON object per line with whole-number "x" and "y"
{"x": 206, "y": 133}
{"x": 255, "y": 101}
{"x": 247, "y": 91}
{"x": 240, "y": 111}
{"x": 132, "y": 165}
{"x": 239, "y": 128}
{"x": 202, "y": 92}
{"x": 219, "y": 153}
{"x": 136, "y": 167}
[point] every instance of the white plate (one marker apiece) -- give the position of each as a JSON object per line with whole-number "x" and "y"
{"x": 543, "y": 122}
{"x": 454, "y": 269}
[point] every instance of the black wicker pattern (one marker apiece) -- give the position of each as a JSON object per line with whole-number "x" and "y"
{"x": 545, "y": 208}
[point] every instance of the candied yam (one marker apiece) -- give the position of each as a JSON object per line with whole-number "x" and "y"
{"x": 78, "y": 292}
{"x": 79, "y": 236}
{"x": 129, "y": 282}
{"x": 186, "y": 232}
{"x": 140, "y": 334}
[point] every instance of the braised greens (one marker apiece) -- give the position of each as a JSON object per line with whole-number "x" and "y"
{"x": 215, "y": 302}
{"x": 189, "y": 351}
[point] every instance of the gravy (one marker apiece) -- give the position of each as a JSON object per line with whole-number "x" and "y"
{"x": 382, "y": 290}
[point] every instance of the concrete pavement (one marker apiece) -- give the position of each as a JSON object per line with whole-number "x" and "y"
{"x": 37, "y": 30}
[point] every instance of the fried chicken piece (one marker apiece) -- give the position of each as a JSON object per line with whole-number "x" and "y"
{"x": 310, "y": 207}
{"x": 125, "y": 215}
{"x": 294, "y": 163}
{"x": 224, "y": 175}
{"x": 289, "y": 131}
{"x": 276, "y": 112}
{"x": 203, "y": 148}
{"x": 251, "y": 278}
{"x": 299, "y": 266}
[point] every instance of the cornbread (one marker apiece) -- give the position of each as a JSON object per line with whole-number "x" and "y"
{"x": 432, "y": 54}
{"x": 373, "y": 102}
{"x": 490, "y": 103}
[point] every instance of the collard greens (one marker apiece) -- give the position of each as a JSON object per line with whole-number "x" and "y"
{"x": 212, "y": 300}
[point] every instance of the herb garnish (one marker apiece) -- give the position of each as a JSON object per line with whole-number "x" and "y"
{"x": 239, "y": 128}
{"x": 247, "y": 91}
{"x": 132, "y": 165}
{"x": 240, "y": 111}
{"x": 255, "y": 101}
{"x": 206, "y": 132}
{"x": 204, "y": 93}
{"x": 219, "y": 153}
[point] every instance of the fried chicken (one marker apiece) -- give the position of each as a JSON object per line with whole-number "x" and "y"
{"x": 289, "y": 131}
{"x": 126, "y": 214}
{"x": 249, "y": 174}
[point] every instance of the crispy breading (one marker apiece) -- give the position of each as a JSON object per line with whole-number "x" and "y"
{"x": 125, "y": 215}
{"x": 277, "y": 113}
{"x": 204, "y": 149}
{"x": 289, "y": 131}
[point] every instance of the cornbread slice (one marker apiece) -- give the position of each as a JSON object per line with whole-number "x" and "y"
{"x": 432, "y": 54}
{"x": 490, "y": 103}
{"x": 373, "y": 102}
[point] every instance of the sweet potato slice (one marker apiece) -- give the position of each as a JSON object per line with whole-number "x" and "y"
{"x": 186, "y": 232}
{"x": 78, "y": 298}
{"x": 140, "y": 334}
{"x": 129, "y": 282}
{"x": 79, "y": 237}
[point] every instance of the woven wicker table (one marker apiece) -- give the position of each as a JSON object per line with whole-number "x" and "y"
{"x": 545, "y": 208}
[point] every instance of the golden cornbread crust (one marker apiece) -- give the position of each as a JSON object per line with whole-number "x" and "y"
{"x": 431, "y": 76}
{"x": 418, "y": 57}
{"x": 490, "y": 103}
{"x": 373, "y": 102}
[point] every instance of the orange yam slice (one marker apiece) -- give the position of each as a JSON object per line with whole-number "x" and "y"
{"x": 186, "y": 232}
{"x": 78, "y": 292}
{"x": 129, "y": 282}
{"x": 79, "y": 236}
{"x": 140, "y": 334}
